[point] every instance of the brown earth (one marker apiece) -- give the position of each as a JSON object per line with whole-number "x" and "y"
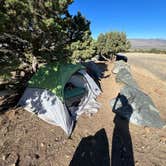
{"x": 99, "y": 140}
{"x": 153, "y": 63}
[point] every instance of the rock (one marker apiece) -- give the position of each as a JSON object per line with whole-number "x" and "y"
{"x": 56, "y": 139}
{"x": 13, "y": 165}
{"x": 42, "y": 144}
{"x": 4, "y": 157}
{"x": 163, "y": 140}
{"x": 67, "y": 156}
{"x": 119, "y": 65}
{"x": 137, "y": 107}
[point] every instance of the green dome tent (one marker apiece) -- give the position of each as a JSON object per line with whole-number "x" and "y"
{"x": 59, "y": 93}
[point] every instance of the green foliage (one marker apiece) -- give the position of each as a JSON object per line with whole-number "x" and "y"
{"x": 101, "y": 44}
{"x": 46, "y": 25}
{"x": 155, "y": 50}
{"x": 41, "y": 23}
{"x": 48, "y": 28}
{"x": 83, "y": 50}
{"x": 110, "y": 43}
{"x": 12, "y": 51}
{"x": 45, "y": 30}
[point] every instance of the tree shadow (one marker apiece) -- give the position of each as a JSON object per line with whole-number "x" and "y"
{"x": 8, "y": 101}
{"x": 92, "y": 151}
{"x": 36, "y": 98}
{"x": 13, "y": 91}
{"x": 122, "y": 150}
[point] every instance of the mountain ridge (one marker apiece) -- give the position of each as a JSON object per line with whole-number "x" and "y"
{"x": 146, "y": 44}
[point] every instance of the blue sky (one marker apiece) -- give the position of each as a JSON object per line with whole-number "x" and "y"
{"x": 138, "y": 18}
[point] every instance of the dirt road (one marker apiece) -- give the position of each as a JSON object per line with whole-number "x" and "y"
{"x": 154, "y": 63}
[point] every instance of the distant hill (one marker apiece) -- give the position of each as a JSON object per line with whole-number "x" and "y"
{"x": 147, "y": 44}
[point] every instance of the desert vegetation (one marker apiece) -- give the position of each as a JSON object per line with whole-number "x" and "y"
{"x": 153, "y": 50}
{"x": 110, "y": 43}
{"x": 35, "y": 32}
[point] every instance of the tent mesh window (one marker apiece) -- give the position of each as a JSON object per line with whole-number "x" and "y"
{"x": 74, "y": 92}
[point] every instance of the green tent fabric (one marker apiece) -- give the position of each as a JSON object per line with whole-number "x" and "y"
{"x": 54, "y": 77}
{"x": 69, "y": 93}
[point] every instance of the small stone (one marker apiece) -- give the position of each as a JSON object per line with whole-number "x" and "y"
{"x": 67, "y": 156}
{"x": 136, "y": 163}
{"x": 163, "y": 140}
{"x": 42, "y": 144}
{"x": 3, "y": 157}
{"x": 56, "y": 139}
{"x": 13, "y": 165}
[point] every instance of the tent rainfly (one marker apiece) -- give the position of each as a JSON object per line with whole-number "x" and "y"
{"x": 59, "y": 93}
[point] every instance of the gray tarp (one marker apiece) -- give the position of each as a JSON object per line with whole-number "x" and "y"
{"x": 124, "y": 76}
{"x": 120, "y": 65}
{"x": 132, "y": 103}
{"x": 137, "y": 107}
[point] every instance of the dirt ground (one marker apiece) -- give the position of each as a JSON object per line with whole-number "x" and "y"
{"x": 153, "y": 63}
{"x": 99, "y": 140}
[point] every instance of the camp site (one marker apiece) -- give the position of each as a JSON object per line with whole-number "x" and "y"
{"x": 82, "y": 83}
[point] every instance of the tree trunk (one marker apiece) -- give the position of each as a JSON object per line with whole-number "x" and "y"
{"x": 34, "y": 64}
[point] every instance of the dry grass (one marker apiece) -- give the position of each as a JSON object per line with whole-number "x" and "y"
{"x": 153, "y": 63}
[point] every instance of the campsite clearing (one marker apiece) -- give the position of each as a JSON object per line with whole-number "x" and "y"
{"x": 26, "y": 140}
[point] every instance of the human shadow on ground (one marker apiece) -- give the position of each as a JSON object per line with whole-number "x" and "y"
{"x": 122, "y": 150}
{"x": 92, "y": 151}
